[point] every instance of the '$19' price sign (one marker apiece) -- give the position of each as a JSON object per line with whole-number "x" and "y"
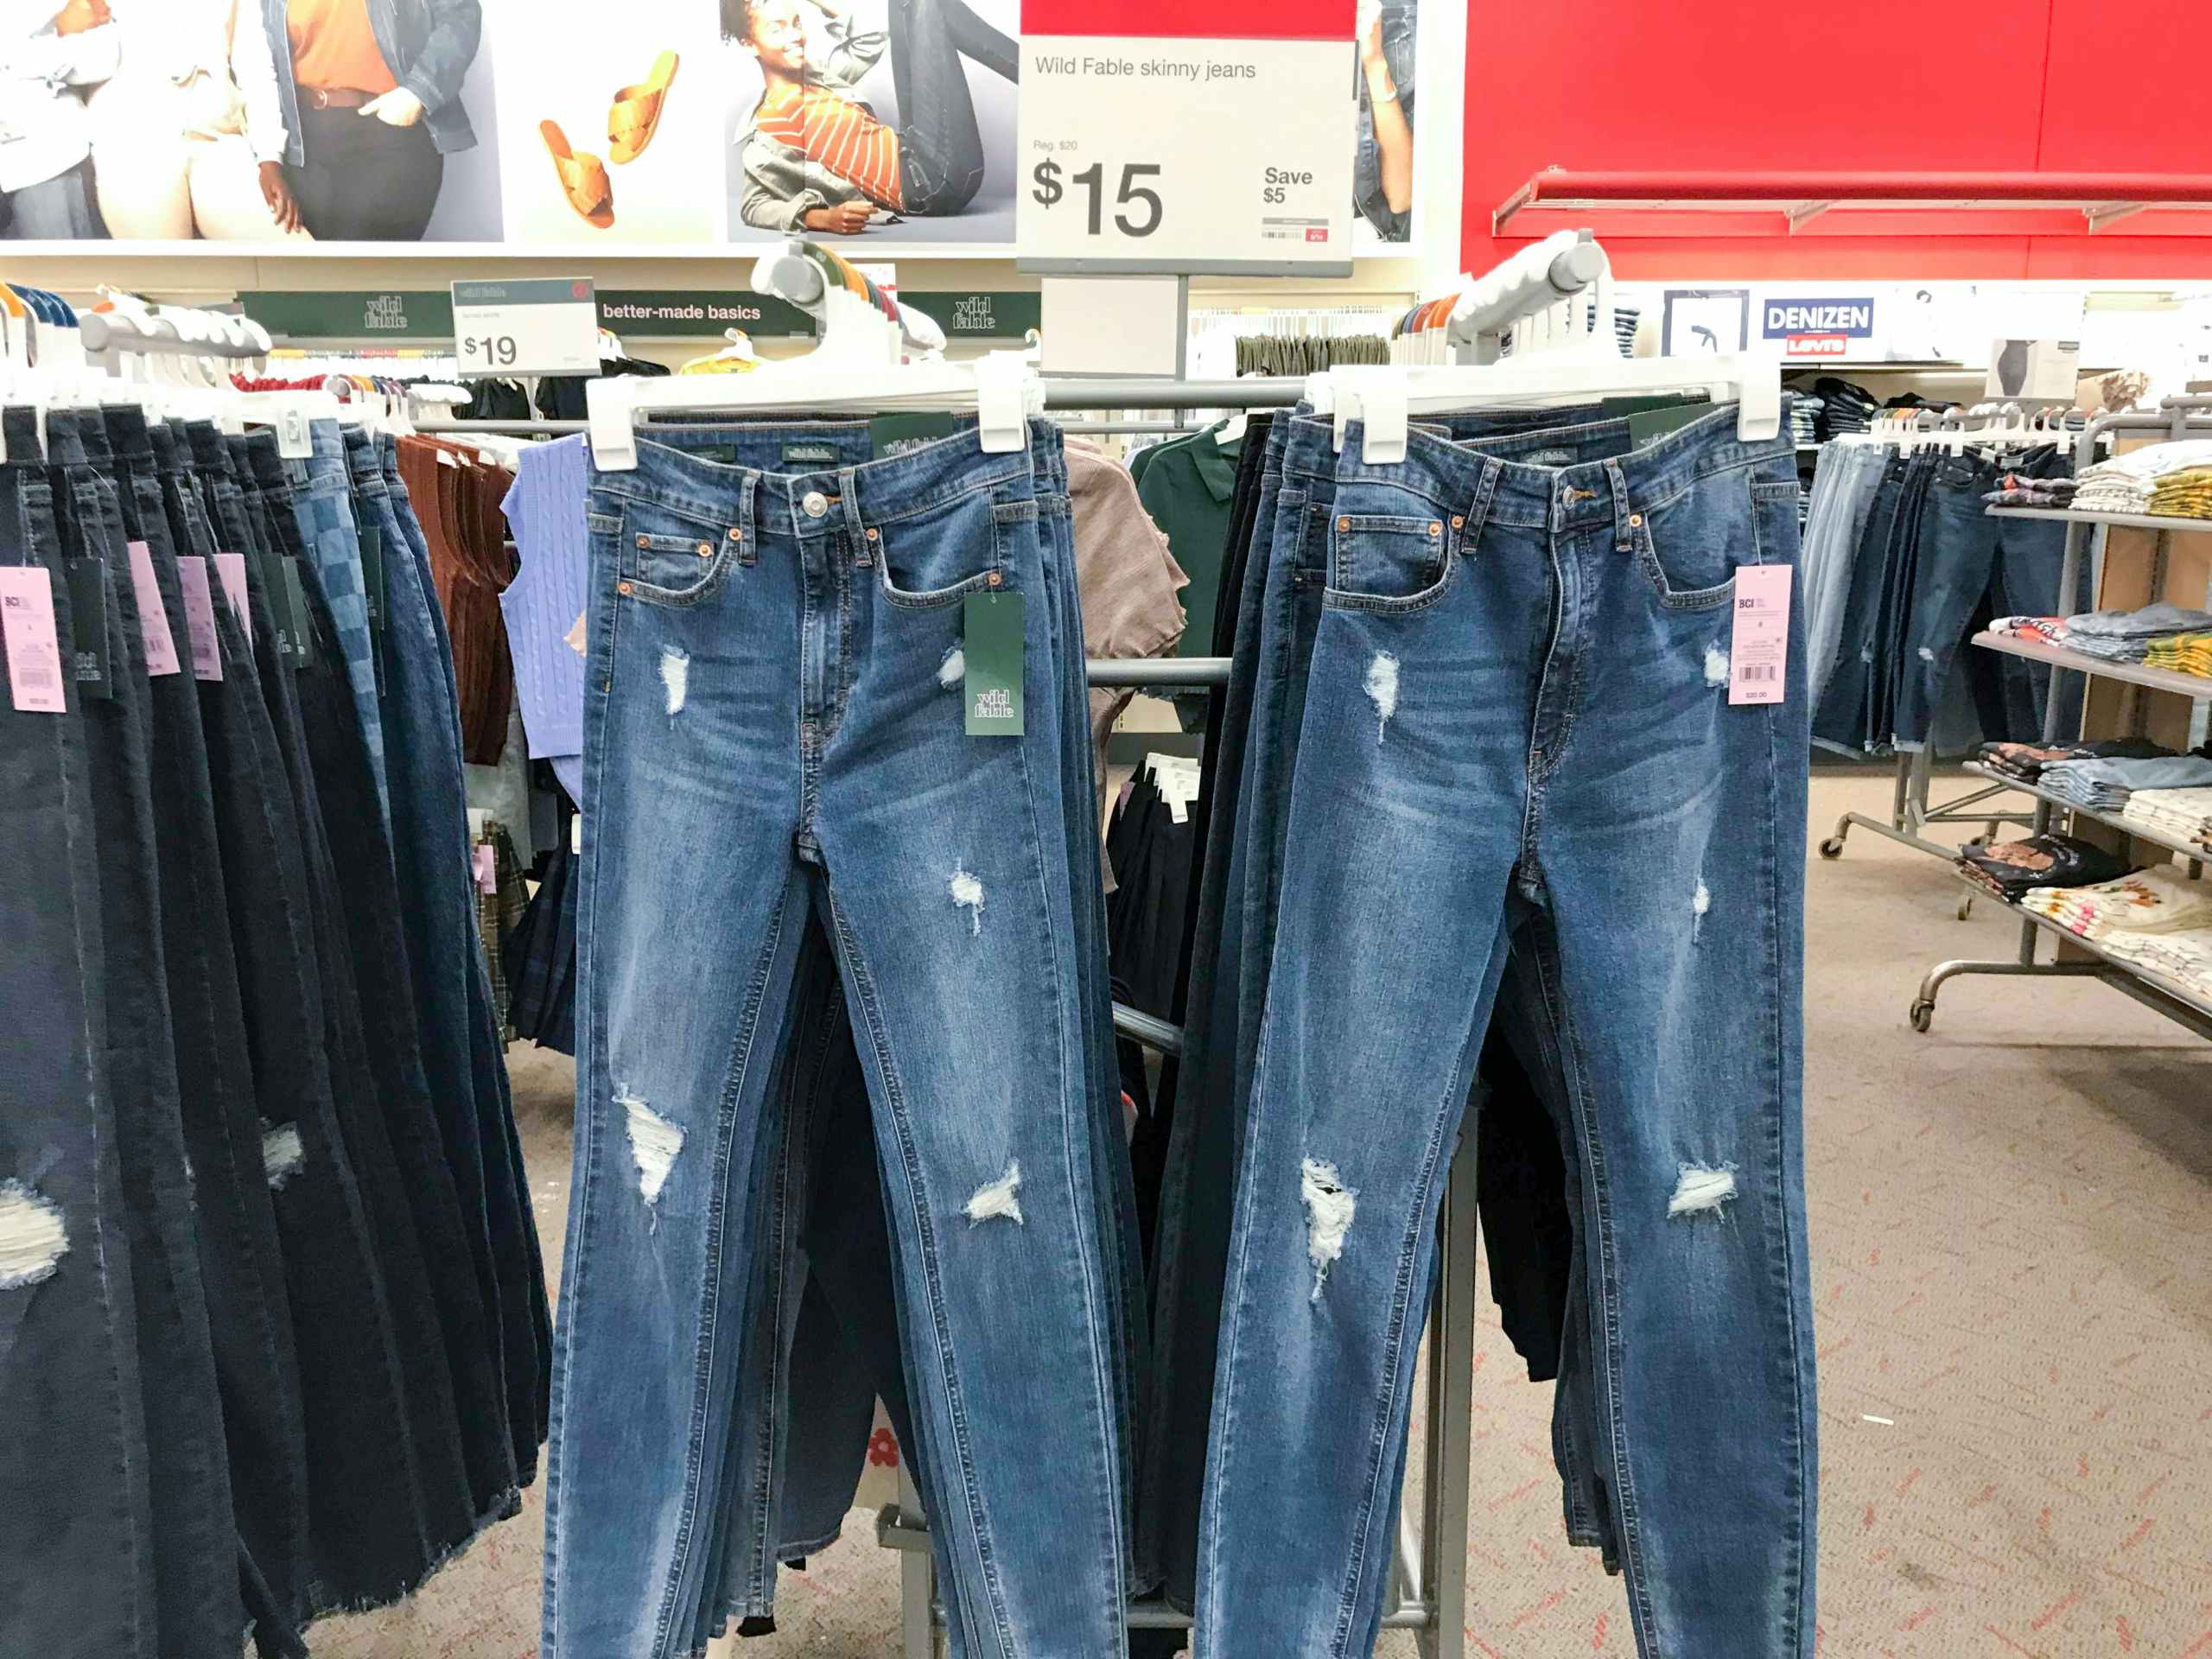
{"x": 1137, "y": 208}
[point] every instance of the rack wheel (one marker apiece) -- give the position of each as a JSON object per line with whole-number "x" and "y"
{"x": 1832, "y": 848}
{"x": 1923, "y": 1014}
{"x": 1966, "y": 908}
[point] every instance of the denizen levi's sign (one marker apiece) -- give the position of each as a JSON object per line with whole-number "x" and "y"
{"x": 1852, "y": 318}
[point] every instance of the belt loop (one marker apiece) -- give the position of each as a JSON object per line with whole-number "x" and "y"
{"x": 1623, "y": 538}
{"x": 849, "y": 501}
{"x": 747, "y": 527}
{"x": 1478, "y": 509}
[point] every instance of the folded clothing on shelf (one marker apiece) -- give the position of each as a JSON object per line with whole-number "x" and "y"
{"x": 2126, "y": 636}
{"x": 2124, "y": 483}
{"x": 2011, "y": 868}
{"x": 2108, "y": 784}
{"x": 2025, "y": 490}
{"x": 2185, "y": 956}
{"x": 2143, "y": 901}
{"x": 2026, "y": 762}
{"x": 2183, "y": 494}
{"x": 2184, "y": 653}
{"x": 2179, "y": 814}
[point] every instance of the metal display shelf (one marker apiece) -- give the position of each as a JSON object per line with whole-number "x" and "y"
{"x": 2158, "y": 679}
{"x": 2177, "y": 417}
{"x": 2153, "y": 989}
{"x": 2125, "y": 520}
{"x": 2135, "y": 827}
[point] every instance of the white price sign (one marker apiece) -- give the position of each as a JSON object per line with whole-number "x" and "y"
{"x": 1175, "y": 153}
{"x": 539, "y": 325}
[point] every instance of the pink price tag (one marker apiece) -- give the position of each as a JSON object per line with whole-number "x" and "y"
{"x": 153, "y": 617}
{"x": 200, "y": 617}
{"x": 488, "y": 874}
{"x": 1758, "y": 658}
{"x": 231, "y": 568}
{"x": 34, "y": 641}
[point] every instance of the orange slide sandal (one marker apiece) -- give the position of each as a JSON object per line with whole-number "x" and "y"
{"x": 635, "y": 115}
{"x": 583, "y": 178}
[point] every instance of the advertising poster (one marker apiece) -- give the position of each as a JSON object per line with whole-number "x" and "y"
{"x": 665, "y": 126}
{"x": 358, "y": 121}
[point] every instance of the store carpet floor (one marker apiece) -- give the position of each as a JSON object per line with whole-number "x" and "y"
{"x": 2012, "y": 1226}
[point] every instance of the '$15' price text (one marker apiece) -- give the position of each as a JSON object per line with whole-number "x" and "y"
{"x": 1137, "y": 209}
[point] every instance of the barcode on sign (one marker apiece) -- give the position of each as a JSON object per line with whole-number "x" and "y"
{"x": 1756, "y": 671}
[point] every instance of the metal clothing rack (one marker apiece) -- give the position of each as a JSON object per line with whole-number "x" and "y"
{"x": 1912, "y": 814}
{"x": 2177, "y": 417}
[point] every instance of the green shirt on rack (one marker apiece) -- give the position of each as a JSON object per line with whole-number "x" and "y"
{"x": 1186, "y": 486}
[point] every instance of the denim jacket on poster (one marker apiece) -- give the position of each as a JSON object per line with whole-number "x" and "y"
{"x": 1401, "y": 19}
{"x": 429, "y": 45}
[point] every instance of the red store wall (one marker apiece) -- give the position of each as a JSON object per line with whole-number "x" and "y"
{"x": 2054, "y": 85}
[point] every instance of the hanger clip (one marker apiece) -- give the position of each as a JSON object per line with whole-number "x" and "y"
{"x": 613, "y": 424}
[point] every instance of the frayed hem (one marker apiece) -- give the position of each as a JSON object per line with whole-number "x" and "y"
{"x": 505, "y": 1507}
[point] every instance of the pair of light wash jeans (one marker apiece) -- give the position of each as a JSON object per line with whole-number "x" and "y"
{"x": 781, "y": 787}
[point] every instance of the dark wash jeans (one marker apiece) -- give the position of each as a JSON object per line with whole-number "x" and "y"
{"x": 1516, "y": 736}
{"x": 77, "y": 1550}
{"x": 765, "y": 696}
{"x": 461, "y": 1052}
{"x": 940, "y": 152}
{"x": 435, "y": 1473}
{"x": 199, "y": 1608}
{"x": 251, "y": 1324}
{"x": 369, "y": 900}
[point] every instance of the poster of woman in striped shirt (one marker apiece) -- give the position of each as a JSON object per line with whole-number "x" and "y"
{"x": 814, "y": 156}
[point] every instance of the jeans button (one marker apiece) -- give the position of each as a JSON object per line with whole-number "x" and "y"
{"x": 816, "y": 504}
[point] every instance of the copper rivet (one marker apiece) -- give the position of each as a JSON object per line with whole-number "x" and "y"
{"x": 706, "y": 549}
{"x": 1435, "y": 529}
{"x": 1458, "y": 522}
{"x": 872, "y": 536}
{"x": 737, "y": 535}
{"x": 1344, "y": 524}
{"x": 995, "y": 579}
{"x": 622, "y": 587}
{"x": 1636, "y": 520}
{"x": 644, "y": 540}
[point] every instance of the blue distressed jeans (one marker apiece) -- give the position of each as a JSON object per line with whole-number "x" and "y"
{"x": 1515, "y": 741}
{"x": 775, "y": 743}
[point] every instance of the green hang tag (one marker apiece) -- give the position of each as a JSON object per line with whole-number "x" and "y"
{"x": 309, "y": 647}
{"x": 993, "y": 650}
{"x": 88, "y": 622}
{"x": 373, "y": 574}
{"x": 894, "y": 435}
{"x": 1649, "y": 427}
{"x": 281, "y": 617}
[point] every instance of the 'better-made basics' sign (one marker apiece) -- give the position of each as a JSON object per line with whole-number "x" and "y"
{"x": 1160, "y": 135}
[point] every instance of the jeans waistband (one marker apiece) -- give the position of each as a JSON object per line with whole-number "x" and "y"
{"x": 733, "y": 474}
{"x": 20, "y": 431}
{"x": 1563, "y": 478}
{"x": 65, "y": 442}
{"x": 210, "y": 453}
{"x": 92, "y": 433}
{"x": 364, "y": 461}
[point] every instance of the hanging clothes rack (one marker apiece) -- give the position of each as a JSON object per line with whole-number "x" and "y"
{"x": 2176, "y": 418}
